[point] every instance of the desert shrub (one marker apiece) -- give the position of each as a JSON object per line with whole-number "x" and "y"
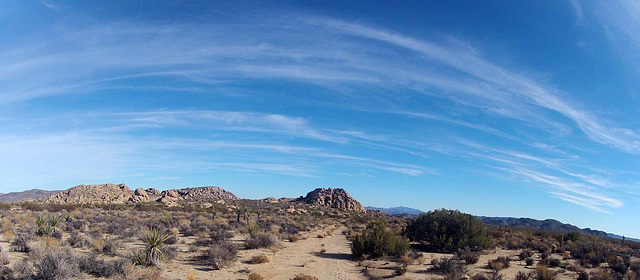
{"x": 170, "y": 252}
{"x": 57, "y": 234}
{"x": 23, "y": 270}
{"x": 255, "y": 276}
{"x": 499, "y": 263}
{"x": 139, "y": 257}
{"x": 173, "y": 239}
{"x": 491, "y": 276}
{"x": 78, "y": 240}
{"x": 543, "y": 273}
{"x": 447, "y": 266}
{"x": 260, "y": 240}
{"x": 132, "y": 272}
{"x": 99, "y": 267}
{"x": 36, "y": 207}
{"x": 289, "y": 228}
{"x": 583, "y": 275}
{"x": 553, "y": 262}
{"x": 529, "y": 261}
{"x": 376, "y": 240}
{"x": 54, "y": 263}
{"x": 524, "y": 254}
{"x": 111, "y": 247}
{"x": 264, "y": 258}
{"x": 221, "y": 254}
{"x": 589, "y": 250}
{"x": 544, "y": 256}
{"x": 522, "y": 276}
{"x": 20, "y": 242}
{"x": 220, "y": 234}
{"x": 293, "y": 237}
{"x": 6, "y": 273}
{"x": 469, "y": 257}
{"x": 618, "y": 265}
{"x": 304, "y": 277}
{"x": 448, "y": 230}
{"x": 400, "y": 270}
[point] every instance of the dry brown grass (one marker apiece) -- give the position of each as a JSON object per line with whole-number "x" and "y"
{"x": 302, "y": 276}
{"x": 264, "y": 258}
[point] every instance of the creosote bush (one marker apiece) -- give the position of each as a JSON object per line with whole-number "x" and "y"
{"x": 498, "y": 263}
{"x": 452, "y": 269}
{"x": 49, "y": 263}
{"x": 221, "y": 254}
{"x": 377, "y": 241}
{"x": 543, "y": 273}
{"x": 260, "y": 240}
{"x": 469, "y": 256}
{"x": 99, "y": 267}
{"x": 448, "y": 230}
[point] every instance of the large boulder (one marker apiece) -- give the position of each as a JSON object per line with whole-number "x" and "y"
{"x": 333, "y": 198}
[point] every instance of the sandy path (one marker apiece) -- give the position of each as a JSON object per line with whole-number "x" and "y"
{"x": 306, "y": 257}
{"x": 303, "y": 256}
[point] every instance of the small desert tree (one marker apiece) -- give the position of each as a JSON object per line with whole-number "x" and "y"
{"x": 448, "y": 230}
{"x": 376, "y": 240}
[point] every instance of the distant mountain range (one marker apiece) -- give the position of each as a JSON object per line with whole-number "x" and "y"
{"x": 397, "y": 211}
{"x": 548, "y": 224}
{"x": 30, "y": 194}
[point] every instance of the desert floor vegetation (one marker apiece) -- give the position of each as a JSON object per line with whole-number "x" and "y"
{"x": 260, "y": 240}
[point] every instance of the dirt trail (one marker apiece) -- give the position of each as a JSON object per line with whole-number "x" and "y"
{"x": 325, "y": 258}
{"x": 304, "y": 256}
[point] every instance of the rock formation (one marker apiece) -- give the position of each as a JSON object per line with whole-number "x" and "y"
{"x": 334, "y": 198}
{"x": 119, "y": 194}
{"x": 202, "y": 193}
{"x": 107, "y": 193}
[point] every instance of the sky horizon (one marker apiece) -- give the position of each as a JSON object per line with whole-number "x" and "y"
{"x": 518, "y": 109}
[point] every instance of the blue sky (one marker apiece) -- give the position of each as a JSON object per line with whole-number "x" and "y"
{"x": 490, "y": 107}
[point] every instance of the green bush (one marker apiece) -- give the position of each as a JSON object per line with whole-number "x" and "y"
{"x": 377, "y": 241}
{"x": 448, "y": 230}
{"x": 589, "y": 250}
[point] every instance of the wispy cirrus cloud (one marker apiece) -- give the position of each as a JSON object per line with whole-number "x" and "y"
{"x": 188, "y": 53}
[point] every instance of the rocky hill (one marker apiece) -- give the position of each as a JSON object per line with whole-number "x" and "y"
{"x": 202, "y": 193}
{"x": 25, "y": 195}
{"x": 119, "y": 194}
{"x": 334, "y": 198}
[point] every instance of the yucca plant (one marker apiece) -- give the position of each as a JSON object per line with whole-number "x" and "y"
{"x": 68, "y": 217}
{"x": 154, "y": 239}
{"x": 139, "y": 257}
{"x": 43, "y": 225}
{"x": 54, "y": 221}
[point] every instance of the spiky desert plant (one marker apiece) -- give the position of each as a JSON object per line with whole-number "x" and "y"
{"x": 54, "y": 221}
{"x": 154, "y": 239}
{"x": 43, "y": 227}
